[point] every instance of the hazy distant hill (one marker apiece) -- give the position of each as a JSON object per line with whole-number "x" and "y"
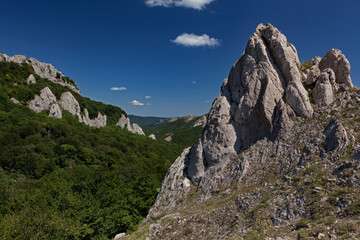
{"x": 147, "y": 121}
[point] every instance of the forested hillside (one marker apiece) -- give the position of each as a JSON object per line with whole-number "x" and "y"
{"x": 61, "y": 179}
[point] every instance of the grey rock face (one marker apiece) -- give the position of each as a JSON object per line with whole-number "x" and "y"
{"x": 313, "y": 75}
{"x": 174, "y": 187}
{"x": 42, "y": 102}
{"x": 337, "y": 61}
{"x": 168, "y": 138}
{"x": 70, "y": 104}
{"x": 120, "y": 235}
{"x": 286, "y": 58}
{"x": 323, "y": 91}
{"x": 250, "y": 105}
{"x": 152, "y": 136}
{"x": 55, "y": 111}
{"x": 200, "y": 122}
{"x": 14, "y": 100}
{"x": 124, "y": 122}
{"x": 99, "y": 121}
{"x": 336, "y": 136}
{"x": 30, "y": 79}
{"x": 44, "y": 70}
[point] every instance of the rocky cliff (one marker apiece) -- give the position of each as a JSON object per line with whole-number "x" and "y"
{"x": 44, "y": 70}
{"x": 278, "y": 157}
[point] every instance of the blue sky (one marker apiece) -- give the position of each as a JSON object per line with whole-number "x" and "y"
{"x": 139, "y": 44}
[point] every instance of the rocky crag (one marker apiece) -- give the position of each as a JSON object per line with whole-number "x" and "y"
{"x": 47, "y": 101}
{"x": 278, "y": 157}
{"x": 44, "y": 70}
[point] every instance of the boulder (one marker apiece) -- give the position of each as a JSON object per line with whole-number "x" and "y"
{"x": 69, "y": 103}
{"x": 337, "y": 61}
{"x": 14, "y": 100}
{"x": 336, "y": 136}
{"x": 55, "y": 111}
{"x": 120, "y": 235}
{"x": 168, "y": 138}
{"x": 42, "y": 102}
{"x": 313, "y": 75}
{"x": 31, "y": 79}
{"x": 137, "y": 129}
{"x": 323, "y": 91}
{"x": 152, "y": 136}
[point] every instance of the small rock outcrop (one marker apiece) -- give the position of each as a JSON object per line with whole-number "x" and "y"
{"x": 124, "y": 122}
{"x": 337, "y": 61}
{"x": 336, "y": 136}
{"x": 168, "y": 138}
{"x": 69, "y": 103}
{"x": 323, "y": 91}
{"x": 42, "y": 102}
{"x": 99, "y": 121}
{"x": 31, "y": 79}
{"x": 44, "y": 70}
{"x": 120, "y": 235}
{"x": 200, "y": 122}
{"x": 14, "y": 100}
{"x": 152, "y": 136}
{"x": 55, "y": 111}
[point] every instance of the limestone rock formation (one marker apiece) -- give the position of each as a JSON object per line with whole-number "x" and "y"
{"x": 152, "y": 136}
{"x": 200, "y": 122}
{"x": 30, "y": 79}
{"x": 14, "y": 100}
{"x": 245, "y": 110}
{"x": 323, "y": 91}
{"x": 168, "y": 138}
{"x": 55, "y": 111}
{"x": 99, "y": 121}
{"x": 70, "y": 104}
{"x": 44, "y": 70}
{"x": 262, "y": 157}
{"x": 174, "y": 187}
{"x": 42, "y": 102}
{"x": 336, "y": 136}
{"x": 337, "y": 61}
{"x": 124, "y": 122}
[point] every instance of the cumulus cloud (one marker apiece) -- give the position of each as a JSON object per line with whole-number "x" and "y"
{"x": 193, "y": 82}
{"x": 147, "y": 97}
{"x": 136, "y": 103}
{"x": 196, "y": 4}
{"x": 192, "y": 40}
{"x": 118, "y": 88}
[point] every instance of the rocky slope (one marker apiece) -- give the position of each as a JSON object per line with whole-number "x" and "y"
{"x": 278, "y": 157}
{"x": 44, "y": 70}
{"x": 47, "y": 101}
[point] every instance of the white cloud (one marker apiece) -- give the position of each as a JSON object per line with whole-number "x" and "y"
{"x": 136, "y": 103}
{"x": 118, "y": 88}
{"x": 193, "y": 82}
{"x": 149, "y": 104}
{"x": 147, "y": 97}
{"x": 207, "y": 101}
{"x": 192, "y": 40}
{"x": 196, "y": 4}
